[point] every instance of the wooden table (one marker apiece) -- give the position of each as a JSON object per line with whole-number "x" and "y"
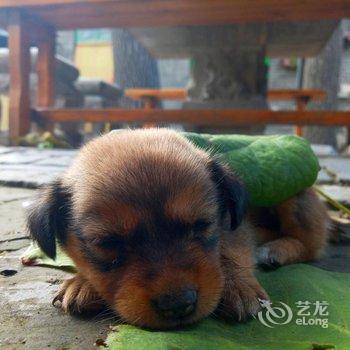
{"x": 35, "y": 22}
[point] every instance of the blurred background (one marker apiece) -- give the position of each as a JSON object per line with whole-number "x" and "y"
{"x": 205, "y": 67}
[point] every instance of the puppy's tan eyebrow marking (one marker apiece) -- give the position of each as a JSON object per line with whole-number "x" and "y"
{"x": 120, "y": 217}
{"x": 190, "y": 204}
{"x": 179, "y": 205}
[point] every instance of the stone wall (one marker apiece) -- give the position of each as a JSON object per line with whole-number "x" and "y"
{"x": 135, "y": 67}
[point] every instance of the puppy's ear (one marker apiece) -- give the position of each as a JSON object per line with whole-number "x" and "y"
{"x": 49, "y": 217}
{"x": 232, "y": 194}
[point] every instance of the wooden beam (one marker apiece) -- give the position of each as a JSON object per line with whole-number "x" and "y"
{"x": 19, "y": 3}
{"x": 199, "y": 117}
{"x": 293, "y": 94}
{"x": 19, "y": 69}
{"x": 73, "y": 14}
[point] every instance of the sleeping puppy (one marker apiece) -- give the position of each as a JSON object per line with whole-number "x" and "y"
{"x": 159, "y": 231}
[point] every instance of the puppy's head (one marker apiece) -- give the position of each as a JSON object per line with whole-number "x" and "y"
{"x": 139, "y": 213}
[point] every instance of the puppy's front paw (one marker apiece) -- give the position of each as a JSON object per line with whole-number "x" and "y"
{"x": 240, "y": 299}
{"x": 76, "y": 296}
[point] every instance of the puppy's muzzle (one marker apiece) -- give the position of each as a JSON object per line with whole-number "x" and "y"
{"x": 177, "y": 305}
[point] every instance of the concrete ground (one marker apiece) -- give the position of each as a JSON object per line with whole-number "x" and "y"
{"x": 27, "y": 319}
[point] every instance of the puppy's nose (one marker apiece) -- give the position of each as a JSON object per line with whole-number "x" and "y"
{"x": 176, "y": 305}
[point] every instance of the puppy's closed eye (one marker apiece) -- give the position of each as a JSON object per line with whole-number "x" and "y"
{"x": 108, "y": 242}
{"x": 201, "y": 225}
{"x": 200, "y": 232}
{"x": 106, "y": 253}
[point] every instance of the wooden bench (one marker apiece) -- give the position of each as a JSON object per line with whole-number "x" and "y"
{"x": 218, "y": 117}
{"x": 301, "y": 99}
{"x": 151, "y": 97}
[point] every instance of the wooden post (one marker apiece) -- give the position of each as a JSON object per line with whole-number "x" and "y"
{"x": 19, "y": 69}
{"x": 149, "y": 103}
{"x": 46, "y": 70}
{"x": 301, "y": 103}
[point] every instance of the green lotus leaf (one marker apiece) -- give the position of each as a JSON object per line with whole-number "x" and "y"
{"x": 273, "y": 168}
{"x": 290, "y": 285}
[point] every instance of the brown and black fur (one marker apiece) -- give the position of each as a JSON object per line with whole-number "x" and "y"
{"x": 145, "y": 214}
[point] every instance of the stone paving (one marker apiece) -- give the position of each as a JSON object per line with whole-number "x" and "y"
{"x": 32, "y": 168}
{"x": 27, "y": 319}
